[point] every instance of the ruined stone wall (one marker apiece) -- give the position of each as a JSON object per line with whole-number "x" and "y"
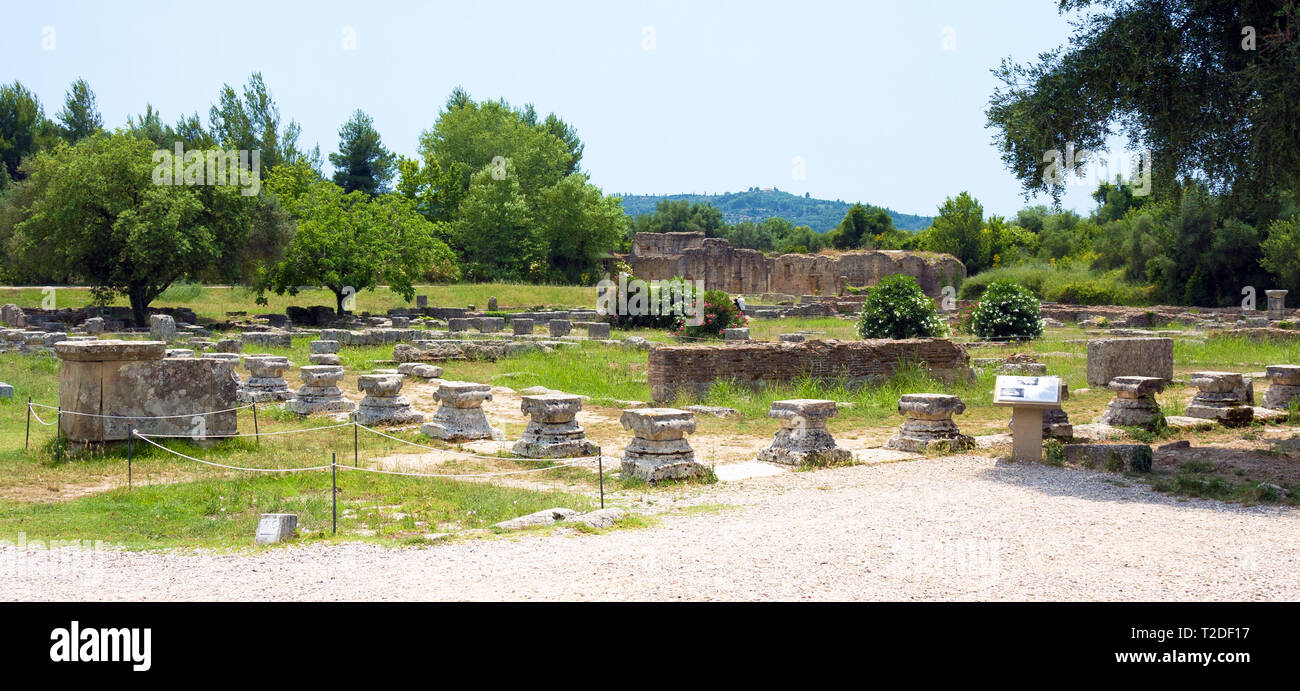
{"x": 723, "y": 267}
{"x": 691, "y": 369}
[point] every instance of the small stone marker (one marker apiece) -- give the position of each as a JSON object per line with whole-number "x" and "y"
{"x": 803, "y": 436}
{"x": 929, "y": 423}
{"x": 492, "y": 304}
{"x": 491, "y": 325}
{"x": 1276, "y": 304}
{"x": 421, "y": 301}
{"x": 457, "y": 324}
{"x": 230, "y": 345}
{"x": 553, "y": 430}
{"x": 735, "y": 334}
{"x": 1283, "y": 387}
{"x": 383, "y": 402}
{"x": 559, "y": 327}
{"x": 275, "y": 527}
{"x": 598, "y": 330}
{"x": 1221, "y": 397}
{"x": 6, "y": 390}
{"x": 319, "y": 392}
{"x": 521, "y": 326}
{"x": 659, "y": 449}
{"x": 162, "y": 327}
{"x": 460, "y": 415}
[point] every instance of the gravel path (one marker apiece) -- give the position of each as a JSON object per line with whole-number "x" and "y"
{"x": 966, "y": 528}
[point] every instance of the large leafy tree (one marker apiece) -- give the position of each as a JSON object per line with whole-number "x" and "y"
{"x": 80, "y": 116}
{"x": 96, "y": 215}
{"x": 496, "y": 232}
{"x": 362, "y": 163}
{"x": 252, "y": 122}
{"x": 24, "y": 130}
{"x": 956, "y": 231}
{"x": 861, "y": 226}
{"x": 1209, "y": 87}
{"x": 578, "y": 226}
{"x": 349, "y": 242}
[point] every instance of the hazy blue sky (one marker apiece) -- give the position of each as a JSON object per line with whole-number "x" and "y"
{"x": 669, "y": 96}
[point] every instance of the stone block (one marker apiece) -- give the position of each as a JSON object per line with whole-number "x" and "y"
{"x": 230, "y": 345}
{"x": 598, "y": 331}
{"x": 1109, "y": 358}
{"x": 1222, "y": 397}
{"x": 929, "y": 424}
{"x": 553, "y": 430}
{"x": 659, "y": 449}
{"x": 323, "y": 347}
{"x": 1112, "y": 457}
{"x": 803, "y": 437}
{"x": 162, "y": 327}
{"x": 320, "y": 392}
{"x": 13, "y": 316}
{"x": 460, "y": 414}
{"x": 559, "y": 327}
{"x": 735, "y": 334}
{"x": 491, "y": 325}
{"x": 521, "y": 327}
{"x": 383, "y": 402}
{"x": 275, "y": 527}
{"x": 6, "y": 390}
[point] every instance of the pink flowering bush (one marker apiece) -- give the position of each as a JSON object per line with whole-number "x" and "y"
{"x": 719, "y": 313}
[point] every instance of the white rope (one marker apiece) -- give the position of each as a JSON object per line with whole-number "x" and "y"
{"x": 248, "y": 434}
{"x": 144, "y": 417}
{"x": 471, "y": 455}
{"x": 229, "y": 467}
{"x": 506, "y": 472}
{"x": 38, "y": 417}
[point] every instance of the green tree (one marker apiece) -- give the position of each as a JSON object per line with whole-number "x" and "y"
{"x": 252, "y": 122}
{"x": 860, "y": 228}
{"x": 349, "y": 242}
{"x": 23, "y": 127}
{"x": 578, "y": 225}
{"x": 80, "y": 116}
{"x": 1281, "y": 250}
{"x": 496, "y": 233}
{"x": 362, "y": 163}
{"x": 956, "y": 231}
{"x": 96, "y": 215}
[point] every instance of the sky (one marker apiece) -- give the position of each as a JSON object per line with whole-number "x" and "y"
{"x": 873, "y": 101}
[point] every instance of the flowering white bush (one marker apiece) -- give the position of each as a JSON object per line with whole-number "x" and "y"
{"x": 1007, "y": 311}
{"x": 897, "y": 308}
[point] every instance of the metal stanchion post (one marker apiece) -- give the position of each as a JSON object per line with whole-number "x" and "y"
{"x": 27, "y": 439}
{"x": 334, "y": 495}
{"x": 130, "y": 443}
{"x": 600, "y": 461}
{"x": 356, "y": 462}
{"x": 257, "y": 435}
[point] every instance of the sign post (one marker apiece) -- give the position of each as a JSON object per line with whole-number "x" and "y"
{"x": 1027, "y": 397}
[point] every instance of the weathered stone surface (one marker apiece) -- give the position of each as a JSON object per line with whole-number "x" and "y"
{"x": 275, "y": 527}
{"x": 421, "y": 370}
{"x": 162, "y": 327}
{"x": 553, "y": 430}
{"x": 792, "y": 338}
{"x": 692, "y": 256}
{"x": 324, "y": 359}
{"x": 323, "y": 347}
{"x": 383, "y": 402}
{"x": 267, "y": 338}
{"x": 559, "y": 327}
{"x": 929, "y": 424}
{"x": 1284, "y": 386}
{"x": 1276, "y": 304}
{"x": 230, "y": 345}
{"x": 539, "y": 518}
{"x": 803, "y": 437}
{"x": 12, "y": 315}
{"x": 1113, "y": 457}
{"x": 735, "y": 334}
{"x": 713, "y": 410}
{"x": 6, "y": 390}
{"x": 320, "y": 392}
{"x": 107, "y": 388}
{"x": 1222, "y": 397}
{"x": 659, "y": 450}
{"x": 179, "y": 352}
{"x": 1134, "y": 404}
{"x": 691, "y": 370}
{"x": 603, "y": 518}
{"x": 95, "y": 326}
{"x": 457, "y": 324}
{"x": 521, "y": 327}
{"x": 491, "y": 325}
{"x": 598, "y": 330}
{"x": 1109, "y": 358}
{"x": 460, "y": 415}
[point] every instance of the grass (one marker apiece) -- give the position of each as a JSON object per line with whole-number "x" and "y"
{"x": 1067, "y": 282}
{"x": 213, "y": 301}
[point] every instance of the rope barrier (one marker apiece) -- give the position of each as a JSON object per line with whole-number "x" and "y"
{"x": 222, "y": 465}
{"x": 38, "y": 417}
{"x": 506, "y": 472}
{"x": 245, "y": 434}
{"x": 468, "y": 454}
{"x": 143, "y": 417}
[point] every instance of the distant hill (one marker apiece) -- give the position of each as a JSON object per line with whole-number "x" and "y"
{"x": 755, "y": 205}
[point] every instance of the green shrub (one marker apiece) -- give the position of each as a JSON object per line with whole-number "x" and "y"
{"x": 897, "y": 308}
{"x": 720, "y": 313}
{"x": 1007, "y": 311}
{"x": 1067, "y": 282}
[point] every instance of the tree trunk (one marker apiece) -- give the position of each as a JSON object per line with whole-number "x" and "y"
{"x": 139, "y": 303}
{"x": 338, "y": 301}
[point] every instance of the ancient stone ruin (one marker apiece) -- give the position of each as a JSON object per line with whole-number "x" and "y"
{"x": 929, "y": 424}
{"x": 659, "y": 450}
{"x": 320, "y": 392}
{"x": 383, "y": 402}
{"x": 1221, "y": 398}
{"x": 692, "y": 256}
{"x": 267, "y": 381}
{"x": 460, "y": 416}
{"x": 553, "y": 430}
{"x": 108, "y": 387}
{"x": 1283, "y": 387}
{"x": 324, "y": 352}
{"x": 1276, "y": 304}
{"x": 1135, "y": 403}
{"x": 803, "y": 437}
{"x": 693, "y": 369}
{"x": 1129, "y": 357}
